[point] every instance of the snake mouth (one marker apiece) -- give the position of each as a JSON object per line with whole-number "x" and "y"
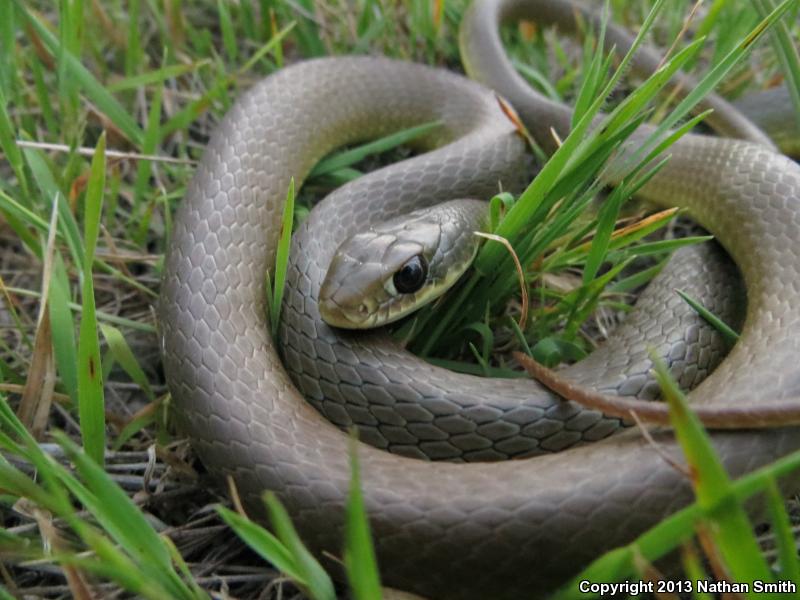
{"x": 346, "y": 316}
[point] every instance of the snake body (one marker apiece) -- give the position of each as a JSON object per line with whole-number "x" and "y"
{"x": 500, "y": 530}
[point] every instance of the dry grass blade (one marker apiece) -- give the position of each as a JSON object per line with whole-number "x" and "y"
{"x": 37, "y": 396}
{"x": 523, "y": 288}
{"x": 75, "y": 578}
{"x": 682, "y": 469}
{"x": 236, "y": 500}
{"x": 643, "y": 224}
{"x": 85, "y": 151}
{"x": 14, "y": 388}
{"x": 780, "y": 413}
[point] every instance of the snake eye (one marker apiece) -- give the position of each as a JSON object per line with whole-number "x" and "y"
{"x": 411, "y": 275}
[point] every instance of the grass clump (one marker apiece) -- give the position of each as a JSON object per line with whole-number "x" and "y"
{"x": 548, "y": 224}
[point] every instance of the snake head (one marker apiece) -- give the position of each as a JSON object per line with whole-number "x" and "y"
{"x": 381, "y": 275}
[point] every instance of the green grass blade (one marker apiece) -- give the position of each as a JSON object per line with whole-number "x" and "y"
{"x": 70, "y": 231}
{"x": 144, "y": 419}
{"x": 141, "y": 188}
{"x": 550, "y": 351}
{"x": 43, "y": 96}
{"x": 44, "y": 177}
{"x": 676, "y": 134}
{"x": 728, "y": 334}
{"x": 594, "y": 73}
{"x": 339, "y": 177}
{"x": 9, "y": 146}
{"x": 661, "y": 246}
{"x": 359, "y": 555}
{"x": 63, "y": 328}
{"x": 636, "y": 280}
{"x": 538, "y": 80}
{"x": 602, "y": 238}
{"x": 109, "y": 504}
{"x": 282, "y": 259}
{"x": 318, "y": 583}
{"x": 482, "y": 362}
{"x": 350, "y": 157}
{"x": 155, "y": 77}
{"x": 308, "y": 34}
{"x": 228, "y": 34}
{"x": 20, "y": 485}
{"x": 10, "y": 422}
{"x": 730, "y": 529}
{"x": 183, "y": 119}
{"x": 693, "y": 569}
{"x": 264, "y": 543}
{"x": 786, "y": 51}
{"x": 125, "y": 357}
{"x": 68, "y": 45}
{"x": 7, "y": 45}
{"x": 272, "y": 46}
{"x": 20, "y": 219}
{"x": 637, "y": 101}
{"x": 473, "y": 369}
{"x": 133, "y": 49}
{"x": 91, "y": 405}
{"x": 113, "y": 566}
{"x": 788, "y": 561}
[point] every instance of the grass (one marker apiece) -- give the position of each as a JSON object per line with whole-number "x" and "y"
{"x": 544, "y": 224}
{"x": 83, "y": 238}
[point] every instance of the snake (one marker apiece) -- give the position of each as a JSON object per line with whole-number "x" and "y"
{"x": 267, "y": 407}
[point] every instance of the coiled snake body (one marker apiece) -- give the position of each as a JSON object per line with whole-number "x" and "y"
{"x": 499, "y": 530}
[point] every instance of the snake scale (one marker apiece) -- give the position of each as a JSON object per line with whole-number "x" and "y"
{"x": 448, "y": 530}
